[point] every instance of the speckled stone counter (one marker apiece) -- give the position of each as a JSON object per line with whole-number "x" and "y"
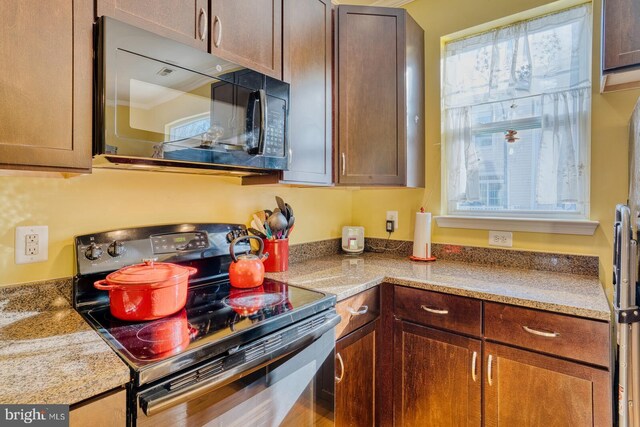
{"x": 48, "y": 353}
{"x": 579, "y": 295}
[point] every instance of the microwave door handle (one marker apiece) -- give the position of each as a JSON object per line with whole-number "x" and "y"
{"x": 263, "y": 120}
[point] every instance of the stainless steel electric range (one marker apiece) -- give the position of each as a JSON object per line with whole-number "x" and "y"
{"x": 261, "y": 356}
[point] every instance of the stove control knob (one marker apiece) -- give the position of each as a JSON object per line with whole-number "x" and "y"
{"x": 93, "y": 252}
{"x": 115, "y": 249}
{"x": 230, "y": 236}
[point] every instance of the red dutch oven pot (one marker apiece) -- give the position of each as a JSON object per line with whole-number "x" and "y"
{"x": 247, "y": 271}
{"x": 147, "y": 291}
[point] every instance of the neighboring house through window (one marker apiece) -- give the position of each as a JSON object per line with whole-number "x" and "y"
{"x": 516, "y": 116}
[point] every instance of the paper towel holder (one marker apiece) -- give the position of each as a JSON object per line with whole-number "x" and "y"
{"x": 422, "y": 236}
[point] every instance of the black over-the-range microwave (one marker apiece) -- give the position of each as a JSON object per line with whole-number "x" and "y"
{"x": 160, "y": 104}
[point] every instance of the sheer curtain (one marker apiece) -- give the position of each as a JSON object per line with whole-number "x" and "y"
{"x": 542, "y": 65}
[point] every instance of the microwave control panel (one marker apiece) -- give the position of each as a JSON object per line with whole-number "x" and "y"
{"x": 274, "y": 141}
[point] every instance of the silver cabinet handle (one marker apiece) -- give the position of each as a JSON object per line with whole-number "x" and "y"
{"x": 339, "y": 378}
{"x": 540, "y": 333}
{"x": 202, "y": 26}
{"x": 474, "y": 360}
{"x": 218, "y": 39}
{"x": 489, "y": 363}
{"x": 362, "y": 310}
{"x": 434, "y": 310}
{"x": 344, "y": 163}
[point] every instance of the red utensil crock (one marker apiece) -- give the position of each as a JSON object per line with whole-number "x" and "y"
{"x": 278, "y": 251}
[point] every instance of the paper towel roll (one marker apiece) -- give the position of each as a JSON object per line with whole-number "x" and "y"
{"x": 422, "y": 236}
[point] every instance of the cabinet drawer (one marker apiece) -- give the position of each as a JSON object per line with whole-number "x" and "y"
{"x": 459, "y": 314}
{"x": 571, "y": 337}
{"x": 357, "y": 311}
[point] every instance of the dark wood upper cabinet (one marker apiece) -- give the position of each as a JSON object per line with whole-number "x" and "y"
{"x": 355, "y": 378}
{"x": 437, "y": 377}
{"x": 380, "y": 97}
{"x": 186, "y": 21}
{"x": 248, "y": 33}
{"x": 523, "y": 388}
{"x": 620, "y": 44}
{"x": 45, "y": 85}
{"x": 307, "y": 67}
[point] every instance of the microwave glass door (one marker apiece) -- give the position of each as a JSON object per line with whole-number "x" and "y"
{"x": 161, "y": 110}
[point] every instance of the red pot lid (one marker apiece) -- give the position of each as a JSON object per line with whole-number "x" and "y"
{"x": 148, "y": 273}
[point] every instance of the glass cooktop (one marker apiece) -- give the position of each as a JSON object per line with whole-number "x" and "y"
{"x": 216, "y": 319}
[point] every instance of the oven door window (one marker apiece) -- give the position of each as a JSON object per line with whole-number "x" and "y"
{"x": 161, "y": 110}
{"x": 297, "y": 390}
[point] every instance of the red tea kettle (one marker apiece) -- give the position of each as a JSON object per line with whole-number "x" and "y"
{"x": 247, "y": 271}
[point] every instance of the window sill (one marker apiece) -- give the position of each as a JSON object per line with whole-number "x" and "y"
{"x": 533, "y": 225}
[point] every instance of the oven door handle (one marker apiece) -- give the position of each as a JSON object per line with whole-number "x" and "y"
{"x": 153, "y": 403}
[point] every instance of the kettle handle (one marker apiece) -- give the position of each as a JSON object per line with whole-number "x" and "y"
{"x": 236, "y": 240}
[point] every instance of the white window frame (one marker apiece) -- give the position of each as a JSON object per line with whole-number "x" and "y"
{"x": 557, "y": 222}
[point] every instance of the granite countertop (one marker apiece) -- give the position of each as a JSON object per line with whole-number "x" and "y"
{"x": 346, "y": 275}
{"x": 48, "y": 353}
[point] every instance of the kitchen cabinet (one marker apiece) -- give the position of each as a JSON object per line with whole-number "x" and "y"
{"x": 108, "y": 409}
{"x": 355, "y": 377}
{"x": 526, "y": 366}
{"x": 438, "y": 377}
{"x": 620, "y": 44}
{"x": 307, "y": 61}
{"x": 356, "y": 359}
{"x": 380, "y": 98}
{"x": 307, "y": 67}
{"x": 184, "y": 21}
{"x": 46, "y": 85}
{"x": 525, "y": 388}
{"x": 248, "y": 33}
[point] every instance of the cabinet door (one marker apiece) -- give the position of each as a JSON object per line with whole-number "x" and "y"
{"x": 371, "y": 107}
{"x": 307, "y": 67}
{"x": 528, "y": 389}
{"x": 437, "y": 377}
{"x": 248, "y": 33}
{"x": 621, "y": 33}
{"x": 355, "y": 378}
{"x": 109, "y": 409}
{"x": 185, "y": 21}
{"x": 45, "y": 85}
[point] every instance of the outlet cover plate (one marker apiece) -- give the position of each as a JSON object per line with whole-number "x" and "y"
{"x": 393, "y": 216}
{"x": 38, "y": 246}
{"x": 501, "y": 238}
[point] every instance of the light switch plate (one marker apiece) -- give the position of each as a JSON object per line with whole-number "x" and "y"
{"x": 501, "y": 238}
{"x": 32, "y": 244}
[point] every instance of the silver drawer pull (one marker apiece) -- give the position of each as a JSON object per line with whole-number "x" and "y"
{"x": 489, "y": 373}
{"x": 474, "y": 361}
{"x": 359, "y": 312}
{"x": 545, "y": 334}
{"x": 434, "y": 310}
{"x": 341, "y": 376}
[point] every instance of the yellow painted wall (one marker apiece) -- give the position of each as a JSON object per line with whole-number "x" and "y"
{"x": 610, "y": 116}
{"x": 110, "y": 199}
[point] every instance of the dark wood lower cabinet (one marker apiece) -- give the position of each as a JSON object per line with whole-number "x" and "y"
{"x": 437, "y": 377}
{"x": 528, "y": 389}
{"x": 355, "y": 377}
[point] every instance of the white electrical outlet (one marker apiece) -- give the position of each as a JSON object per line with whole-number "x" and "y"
{"x": 501, "y": 238}
{"x": 32, "y": 244}
{"x": 393, "y": 216}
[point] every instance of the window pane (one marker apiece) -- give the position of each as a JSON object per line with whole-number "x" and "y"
{"x": 517, "y": 118}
